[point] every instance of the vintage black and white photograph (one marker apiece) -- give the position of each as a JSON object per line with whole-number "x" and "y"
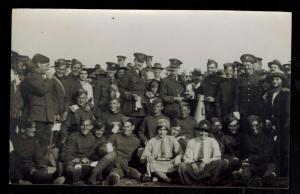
{"x": 154, "y": 98}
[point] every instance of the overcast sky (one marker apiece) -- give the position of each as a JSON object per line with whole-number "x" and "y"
{"x": 97, "y": 36}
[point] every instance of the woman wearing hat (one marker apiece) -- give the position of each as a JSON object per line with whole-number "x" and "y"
{"x": 162, "y": 153}
{"x": 278, "y": 112}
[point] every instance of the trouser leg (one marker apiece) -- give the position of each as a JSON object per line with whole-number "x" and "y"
{"x": 43, "y": 134}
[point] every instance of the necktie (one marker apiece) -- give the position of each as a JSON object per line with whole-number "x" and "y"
{"x": 163, "y": 148}
{"x": 201, "y": 151}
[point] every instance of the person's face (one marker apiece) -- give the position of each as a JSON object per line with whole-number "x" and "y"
{"x": 138, "y": 65}
{"x": 276, "y": 82}
{"x": 154, "y": 89}
{"x": 114, "y": 106}
{"x": 235, "y": 73}
{"x": 83, "y": 75}
{"x": 255, "y": 127}
{"x": 233, "y": 127}
{"x": 157, "y": 109}
{"x": 128, "y": 128}
{"x": 76, "y": 69}
{"x": 228, "y": 72}
{"x": 19, "y": 68}
{"x": 174, "y": 71}
{"x": 149, "y": 62}
{"x": 248, "y": 67}
{"x": 86, "y": 127}
{"x": 274, "y": 68}
{"x": 120, "y": 73}
{"x": 185, "y": 112}
{"x": 202, "y": 135}
{"x": 121, "y": 62}
{"x": 82, "y": 100}
{"x": 30, "y": 132}
{"x": 61, "y": 71}
{"x": 211, "y": 68}
{"x": 111, "y": 73}
{"x": 216, "y": 127}
{"x": 157, "y": 73}
{"x": 175, "y": 131}
{"x": 43, "y": 67}
{"x": 99, "y": 132}
{"x": 162, "y": 132}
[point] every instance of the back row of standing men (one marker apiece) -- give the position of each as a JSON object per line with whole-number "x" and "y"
{"x": 140, "y": 93}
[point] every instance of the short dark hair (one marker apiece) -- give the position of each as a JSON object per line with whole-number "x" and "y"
{"x": 39, "y": 58}
{"x": 25, "y": 123}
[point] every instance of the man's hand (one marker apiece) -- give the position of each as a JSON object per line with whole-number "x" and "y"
{"x": 85, "y": 160}
{"x": 149, "y": 159}
{"x": 201, "y": 167}
{"x": 49, "y": 75}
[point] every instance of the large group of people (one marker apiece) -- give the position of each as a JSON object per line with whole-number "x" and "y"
{"x": 80, "y": 127}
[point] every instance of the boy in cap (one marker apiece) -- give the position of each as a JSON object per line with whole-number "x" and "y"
{"x": 124, "y": 145}
{"x": 157, "y": 69}
{"x": 121, "y": 60}
{"x": 30, "y": 165}
{"x": 226, "y": 92}
{"x": 171, "y": 90}
{"x": 258, "y": 157}
{"x": 102, "y": 89}
{"x": 147, "y": 129}
{"x": 209, "y": 88}
{"x": 277, "y": 112}
{"x": 162, "y": 153}
{"x": 40, "y": 99}
{"x": 132, "y": 88}
{"x": 202, "y": 158}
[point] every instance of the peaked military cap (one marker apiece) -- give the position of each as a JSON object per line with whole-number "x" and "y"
{"x": 157, "y": 66}
{"x": 39, "y": 58}
{"x": 275, "y": 62}
{"x": 175, "y": 63}
{"x": 141, "y": 57}
{"x": 121, "y": 57}
{"x": 203, "y": 125}
{"x": 75, "y": 62}
{"x": 248, "y": 58}
{"x": 211, "y": 61}
{"x": 111, "y": 66}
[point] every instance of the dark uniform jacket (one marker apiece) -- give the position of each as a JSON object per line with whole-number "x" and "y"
{"x": 170, "y": 88}
{"x": 232, "y": 146}
{"x": 107, "y": 118}
{"x": 188, "y": 124}
{"x": 102, "y": 94}
{"x": 248, "y": 94}
{"x": 40, "y": 98}
{"x": 226, "y": 97}
{"x": 78, "y": 146}
{"x": 130, "y": 84}
{"x": 72, "y": 85}
{"x": 124, "y": 146}
{"x": 147, "y": 129}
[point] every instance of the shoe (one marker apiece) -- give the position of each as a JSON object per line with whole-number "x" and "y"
{"x": 59, "y": 180}
{"x": 145, "y": 179}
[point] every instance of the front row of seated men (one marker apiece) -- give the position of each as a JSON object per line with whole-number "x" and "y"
{"x": 90, "y": 156}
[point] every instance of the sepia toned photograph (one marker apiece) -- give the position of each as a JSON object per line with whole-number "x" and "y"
{"x": 150, "y": 98}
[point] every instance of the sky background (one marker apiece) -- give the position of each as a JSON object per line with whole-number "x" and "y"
{"x": 98, "y": 36}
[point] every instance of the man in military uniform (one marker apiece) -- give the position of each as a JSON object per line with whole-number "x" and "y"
{"x": 148, "y": 65}
{"x": 121, "y": 60}
{"x": 171, "y": 90}
{"x": 102, "y": 89}
{"x": 209, "y": 89}
{"x": 133, "y": 87}
{"x": 72, "y": 81}
{"x": 248, "y": 91}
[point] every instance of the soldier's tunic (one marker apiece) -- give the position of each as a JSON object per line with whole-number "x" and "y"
{"x": 147, "y": 129}
{"x": 209, "y": 88}
{"x": 188, "y": 124}
{"x": 102, "y": 95}
{"x": 226, "y": 97}
{"x": 72, "y": 85}
{"x": 132, "y": 83}
{"x": 170, "y": 88}
{"x": 107, "y": 118}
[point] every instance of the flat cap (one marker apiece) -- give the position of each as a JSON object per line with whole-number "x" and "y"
{"x": 248, "y": 58}
{"x": 252, "y": 118}
{"x": 275, "y": 62}
{"x": 39, "y": 58}
{"x": 197, "y": 72}
{"x": 163, "y": 123}
{"x": 140, "y": 57}
{"x": 211, "y": 61}
{"x": 111, "y": 66}
{"x": 98, "y": 125}
{"x": 175, "y": 63}
{"x": 157, "y": 66}
{"x": 203, "y": 125}
{"x": 75, "y": 62}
